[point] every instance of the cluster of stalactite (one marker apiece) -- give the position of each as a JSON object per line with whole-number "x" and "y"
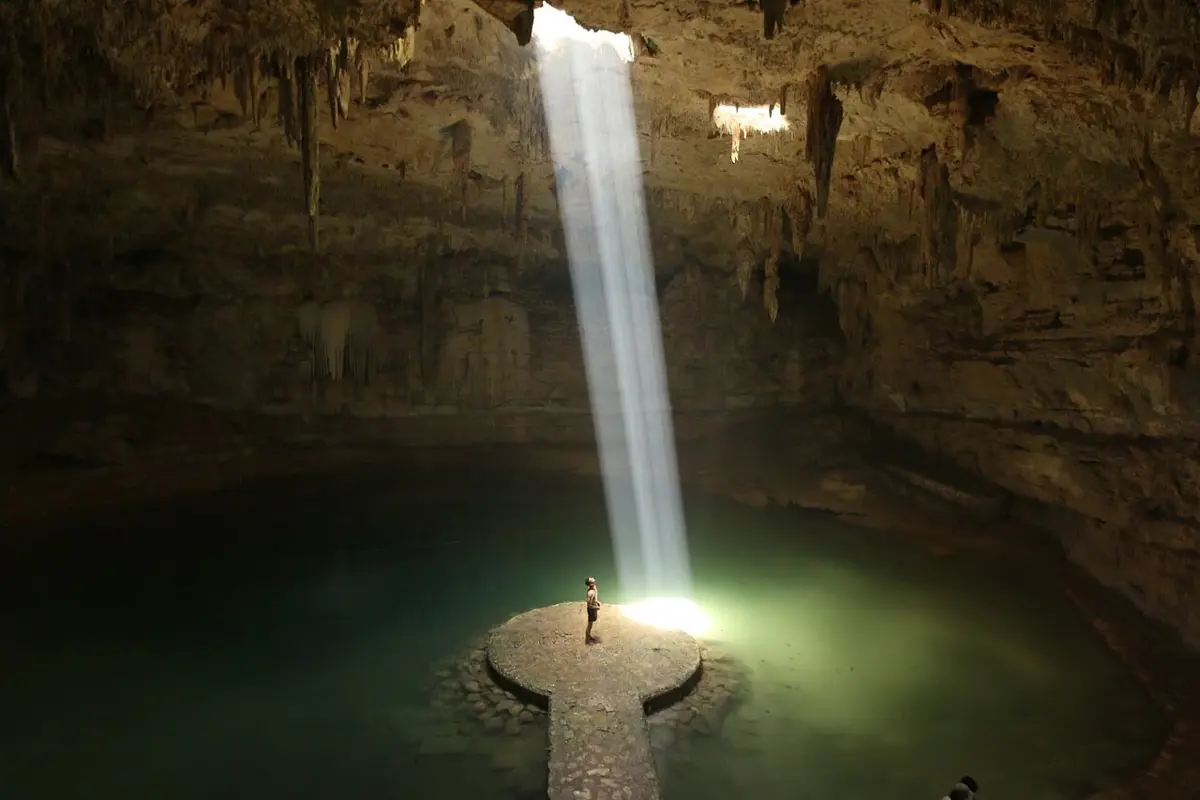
{"x": 894, "y": 259}
{"x": 980, "y": 219}
{"x": 687, "y": 204}
{"x": 110, "y": 51}
{"x": 521, "y": 101}
{"x": 1134, "y": 43}
{"x": 824, "y": 123}
{"x": 761, "y": 226}
{"x": 457, "y": 138}
{"x": 521, "y": 106}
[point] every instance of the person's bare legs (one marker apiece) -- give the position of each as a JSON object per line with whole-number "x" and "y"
{"x": 588, "y": 636}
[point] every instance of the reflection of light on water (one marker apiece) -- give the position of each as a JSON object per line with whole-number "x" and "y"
{"x": 669, "y": 614}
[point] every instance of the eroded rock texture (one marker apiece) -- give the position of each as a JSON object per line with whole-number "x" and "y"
{"x": 980, "y": 228}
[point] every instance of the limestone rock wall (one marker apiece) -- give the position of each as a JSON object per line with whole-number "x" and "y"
{"x": 1061, "y": 371}
{"x": 462, "y": 351}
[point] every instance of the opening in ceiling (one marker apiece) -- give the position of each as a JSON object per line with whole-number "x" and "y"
{"x": 553, "y": 27}
{"x": 738, "y": 121}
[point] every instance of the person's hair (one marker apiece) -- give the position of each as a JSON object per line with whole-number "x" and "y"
{"x": 589, "y": 582}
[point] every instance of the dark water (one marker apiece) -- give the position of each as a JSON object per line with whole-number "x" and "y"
{"x": 280, "y": 642}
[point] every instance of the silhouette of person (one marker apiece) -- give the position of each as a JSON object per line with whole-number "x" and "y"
{"x": 593, "y": 610}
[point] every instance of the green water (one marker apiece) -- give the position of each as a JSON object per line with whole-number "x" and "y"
{"x": 280, "y": 642}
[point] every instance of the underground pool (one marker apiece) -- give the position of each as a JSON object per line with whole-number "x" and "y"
{"x": 300, "y": 640}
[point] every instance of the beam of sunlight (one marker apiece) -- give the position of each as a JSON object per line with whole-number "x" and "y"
{"x": 589, "y": 112}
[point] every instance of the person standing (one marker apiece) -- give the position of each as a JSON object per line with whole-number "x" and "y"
{"x": 593, "y": 610}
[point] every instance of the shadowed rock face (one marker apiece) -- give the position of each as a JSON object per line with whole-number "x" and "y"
{"x": 204, "y": 200}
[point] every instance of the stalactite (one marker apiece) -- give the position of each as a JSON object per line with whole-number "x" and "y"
{"x": 1087, "y": 222}
{"x": 939, "y": 224}
{"x": 333, "y": 85}
{"x": 1152, "y": 175}
{"x": 745, "y": 264}
{"x": 359, "y": 69}
{"x": 970, "y": 223}
{"x": 520, "y": 205}
{"x": 824, "y": 123}
{"x": 764, "y": 220}
{"x": 460, "y": 137}
{"x": 11, "y": 89}
{"x": 8, "y": 141}
{"x": 771, "y": 267}
{"x": 504, "y": 201}
{"x": 344, "y": 60}
{"x": 402, "y": 49}
{"x": 242, "y": 90}
{"x": 743, "y": 221}
{"x": 310, "y": 146}
{"x": 521, "y": 101}
{"x": 288, "y": 104}
{"x": 800, "y": 214}
{"x": 774, "y": 12}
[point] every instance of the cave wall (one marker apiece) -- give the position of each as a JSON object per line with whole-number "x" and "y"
{"x": 1059, "y": 369}
{"x": 470, "y": 348}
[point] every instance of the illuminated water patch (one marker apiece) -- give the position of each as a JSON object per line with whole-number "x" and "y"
{"x": 670, "y": 614}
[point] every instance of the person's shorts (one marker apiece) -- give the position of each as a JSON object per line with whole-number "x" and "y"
{"x": 593, "y": 613}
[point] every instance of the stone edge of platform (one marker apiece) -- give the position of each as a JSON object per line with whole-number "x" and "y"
{"x": 667, "y": 688}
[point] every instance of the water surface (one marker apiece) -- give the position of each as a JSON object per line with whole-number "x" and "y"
{"x": 280, "y": 642}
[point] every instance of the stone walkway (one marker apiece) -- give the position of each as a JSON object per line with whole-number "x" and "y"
{"x": 599, "y": 740}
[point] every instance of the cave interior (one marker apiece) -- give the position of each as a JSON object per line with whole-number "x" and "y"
{"x": 949, "y": 300}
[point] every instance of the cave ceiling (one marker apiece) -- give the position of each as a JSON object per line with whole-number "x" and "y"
{"x": 188, "y": 126}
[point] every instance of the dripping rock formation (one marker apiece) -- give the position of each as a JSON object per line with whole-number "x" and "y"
{"x": 975, "y": 239}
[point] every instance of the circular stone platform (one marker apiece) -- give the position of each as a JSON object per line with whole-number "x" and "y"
{"x": 543, "y": 652}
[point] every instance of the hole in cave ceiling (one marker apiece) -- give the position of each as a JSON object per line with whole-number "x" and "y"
{"x": 553, "y": 27}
